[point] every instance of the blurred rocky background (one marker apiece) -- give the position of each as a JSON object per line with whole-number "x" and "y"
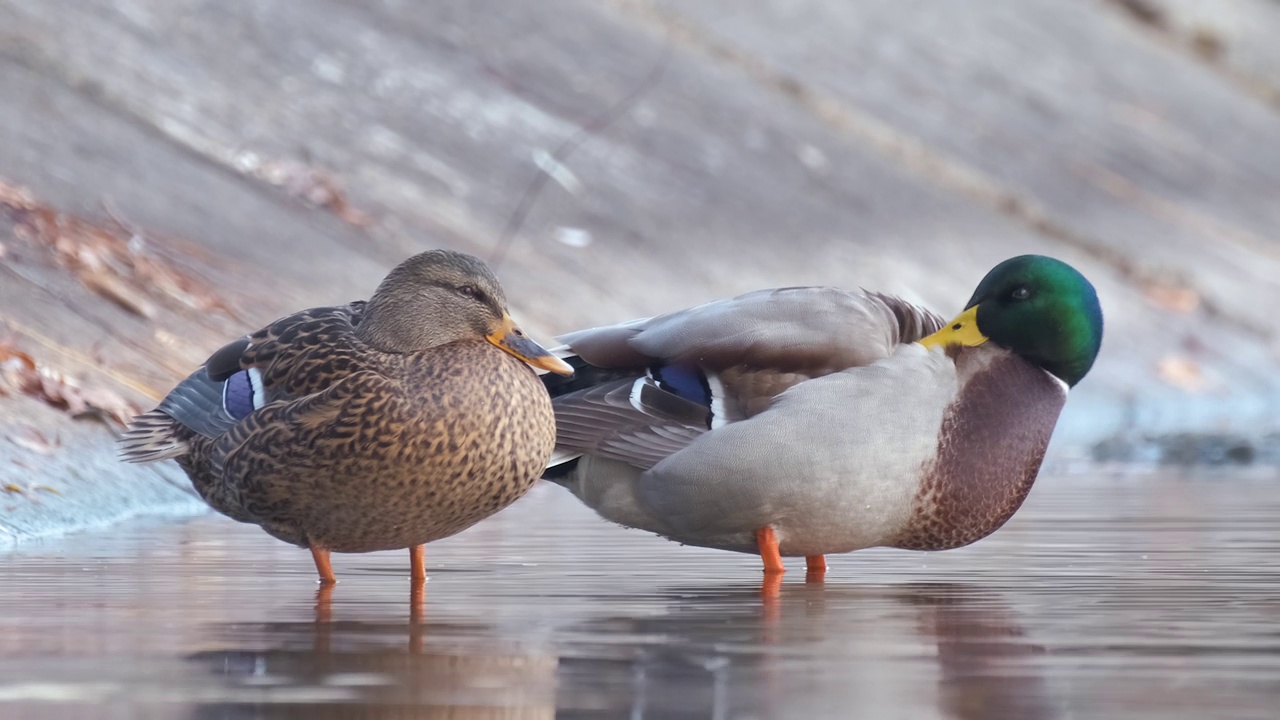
{"x": 174, "y": 173}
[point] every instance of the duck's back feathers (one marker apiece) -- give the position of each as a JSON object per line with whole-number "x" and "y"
{"x": 293, "y": 357}
{"x": 646, "y": 389}
{"x": 787, "y": 329}
{"x": 306, "y": 352}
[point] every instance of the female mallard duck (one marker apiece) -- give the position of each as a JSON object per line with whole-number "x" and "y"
{"x": 376, "y": 425}
{"x": 806, "y": 421}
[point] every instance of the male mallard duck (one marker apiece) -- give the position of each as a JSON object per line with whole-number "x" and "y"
{"x": 376, "y": 425}
{"x": 806, "y": 421}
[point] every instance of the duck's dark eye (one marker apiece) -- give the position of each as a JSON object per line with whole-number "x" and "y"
{"x": 470, "y": 291}
{"x": 1020, "y": 293}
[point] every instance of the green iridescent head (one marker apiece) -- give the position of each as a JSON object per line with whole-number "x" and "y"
{"x": 1038, "y": 307}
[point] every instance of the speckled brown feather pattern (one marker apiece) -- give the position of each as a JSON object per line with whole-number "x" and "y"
{"x": 992, "y": 442}
{"x": 358, "y": 450}
{"x": 303, "y": 353}
{"x": 380, "y": 463}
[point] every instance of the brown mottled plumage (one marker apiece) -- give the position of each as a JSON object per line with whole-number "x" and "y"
{"x": 990, "y": 447}
{"x": 376, "y": 425}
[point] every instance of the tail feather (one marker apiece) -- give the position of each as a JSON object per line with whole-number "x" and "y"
{"x": 150, "y": 437}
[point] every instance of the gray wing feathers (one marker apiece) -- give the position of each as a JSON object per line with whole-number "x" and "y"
{"x": 811, "y": 331}
{"x": 818, "y": 328}
{"x": 787, "y": 329}
{"x": 603, "y": 421}
{"x": 197, "y": 403}
{"x": 912, "y": 322}
{"x": 607, "y": 347}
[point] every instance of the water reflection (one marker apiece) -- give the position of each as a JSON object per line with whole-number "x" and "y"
{"x": 331, "y": 667}
{"x": 1102, "y": 599}
{"x": 988, "y": 667}
{"x": 803, "y": 650}
{"x": 809, "y": 652}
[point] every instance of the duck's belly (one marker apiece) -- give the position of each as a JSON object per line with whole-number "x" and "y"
{"x": 411, "y": 513}
{"x": 843, "y": 526}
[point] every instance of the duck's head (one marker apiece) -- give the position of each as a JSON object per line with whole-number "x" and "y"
{"x": 439, "y": 297}
{"x": 1038, "y": 307}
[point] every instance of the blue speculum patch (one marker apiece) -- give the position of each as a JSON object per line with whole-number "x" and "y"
{"x": 237, "y": 395}
{"x": 687, "y": 381}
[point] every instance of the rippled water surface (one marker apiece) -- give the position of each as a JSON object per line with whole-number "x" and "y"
{"x": 1103, "y": 598}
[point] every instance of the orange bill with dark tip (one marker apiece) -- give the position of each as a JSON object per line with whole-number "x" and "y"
{"x": 511, "y": 339}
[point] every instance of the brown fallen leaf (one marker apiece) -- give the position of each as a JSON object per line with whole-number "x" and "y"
{"x": 108, "y": 404}
{"x": 15, "y": 197}
{"x": 115, "y": 263}
{"x": 314, "y": 186}
{"x": 1178, "y": 299}
{"x": 10, "y": 353}
{"x": 32, "y": 439}
{"x": 1181, "y": 372}
{"x": 22, "y": 373}
{"x": 16, "y": 489}
{"x": 113, "y": 288}
{"x": 15, "y": 365}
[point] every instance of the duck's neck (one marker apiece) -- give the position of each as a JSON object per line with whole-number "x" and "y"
{"x": 390, "y": 331}
{"x": 992, "y": 442}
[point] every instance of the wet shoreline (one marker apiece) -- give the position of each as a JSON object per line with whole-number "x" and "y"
{"x": 1102, "y": 598}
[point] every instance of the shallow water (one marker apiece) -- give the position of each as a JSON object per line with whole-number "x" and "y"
{"x": 1103, "y": 598}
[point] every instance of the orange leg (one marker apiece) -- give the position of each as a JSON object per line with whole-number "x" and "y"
{"x": 767, "y": 541}
{"x": 321, "y": 640}
{"x": 770, "y": 589}
{"x": 418, "y": 564}
{"x": 321, "y": 556}
{"x": 417, "y": 599}
{"x": 324, "y": 603}
{"x": 416, "y": 618}
{"x": 815, "y": 567}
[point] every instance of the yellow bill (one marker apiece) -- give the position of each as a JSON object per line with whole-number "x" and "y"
{"x": 961, "y": 331}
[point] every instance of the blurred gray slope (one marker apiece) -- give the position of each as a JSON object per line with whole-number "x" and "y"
{"x": 288, "y": 158}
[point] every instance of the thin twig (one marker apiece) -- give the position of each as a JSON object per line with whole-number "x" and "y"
{"x": 558, "y": 156}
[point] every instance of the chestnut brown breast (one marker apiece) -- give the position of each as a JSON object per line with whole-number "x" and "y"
{"x": 990, "y": 448}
